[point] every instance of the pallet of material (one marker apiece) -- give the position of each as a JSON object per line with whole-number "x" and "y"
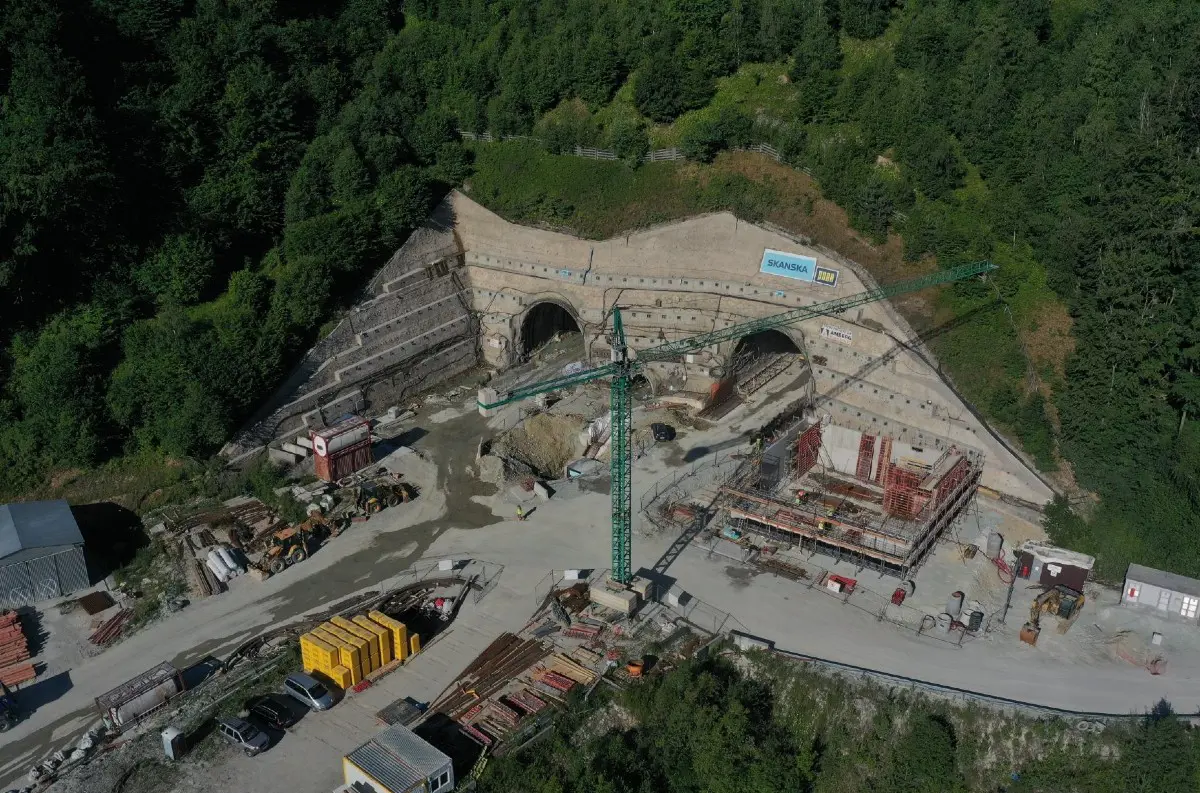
{"x": 477, "y": 735}
{"x": 567, "y": 666}
{"x": 15, "y": 675}
{"x": 111, "y": 628}
{"x": 586, "y": 656}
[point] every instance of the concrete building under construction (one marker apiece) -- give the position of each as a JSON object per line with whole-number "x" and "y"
{"x": 868, "y": 499}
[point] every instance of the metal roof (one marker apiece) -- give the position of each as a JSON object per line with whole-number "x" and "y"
{"x": 1163, "y": 579}
{"x": 1055, "y": 555}
{"x": 37, "y": 524}
{"x": 398, "y": 759}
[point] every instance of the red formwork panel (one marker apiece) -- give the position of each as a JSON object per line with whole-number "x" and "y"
{"x": 808, "y": 448}
{"x": 885, "y": 459}
{"x": 866, "y": 455}
{"x": 950, "y": 482}
{"x": 902, "y": 494}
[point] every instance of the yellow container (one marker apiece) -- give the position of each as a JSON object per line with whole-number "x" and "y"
{"x": 317, "y": 654}
{"x": 383, "y": 634}
{"x": 414, "y": 644}
{"x": 399, "y": 633}
{"x": 352, "y": 650}
{"x": 342, "y": 676}
{"x": 354, "y": 639}
{"x": 371, "y": 638}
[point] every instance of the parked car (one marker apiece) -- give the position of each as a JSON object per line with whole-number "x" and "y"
{"x": 662, "y": 432}
{"x": 243, "y": 735}
{"x": 308, "y": 690}
{"x": 272, "y": 711}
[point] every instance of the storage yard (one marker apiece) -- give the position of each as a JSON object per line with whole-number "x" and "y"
{"x": 461, "y": 565}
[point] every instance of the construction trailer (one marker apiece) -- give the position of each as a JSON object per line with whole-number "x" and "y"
{"x": 1169, "y": 595}
{"x": 398, "y": 760}
{"x": 867, "y": 499}
{"x": 1052, "y": 566}
{"x": 342, "y": 448}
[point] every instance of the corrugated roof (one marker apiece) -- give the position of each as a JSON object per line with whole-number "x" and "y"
{"x": 37, "y": 524}
{"x": 1163, "y": 579}
{"x": 398, "y": 758}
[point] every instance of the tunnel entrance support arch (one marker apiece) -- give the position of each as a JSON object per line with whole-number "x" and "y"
{"x": 542, "y": 320}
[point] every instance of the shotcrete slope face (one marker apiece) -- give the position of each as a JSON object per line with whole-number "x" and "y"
{"x": 706, "y": 273}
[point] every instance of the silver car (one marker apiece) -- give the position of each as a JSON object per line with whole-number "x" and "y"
{"x": 308, "y": 690}
{"x": 243, "y": 735}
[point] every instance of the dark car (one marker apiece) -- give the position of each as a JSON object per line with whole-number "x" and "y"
{"x": 244, "y": 735}
{"x": 272, "y": 712}
{"x": 662, "y": 432}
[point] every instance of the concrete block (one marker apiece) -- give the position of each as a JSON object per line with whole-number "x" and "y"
{"x": 641, "y": 586}
{"x": 571, "y": 575}
{"x": 486, "y": 397}
{"x": 677, "y": 597}
{"x": 542, "y": 491}
{"x": 625, "y": 601}
{"x": 304, "y": 440}
{"x": 299, "y": 451}
{"x": 282, "y": 456}
{"x": 446, "y": 565}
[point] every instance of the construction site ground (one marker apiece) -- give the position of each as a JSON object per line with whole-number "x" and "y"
{"x": 458, "y": 516}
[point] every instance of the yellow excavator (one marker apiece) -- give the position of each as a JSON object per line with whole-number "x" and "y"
{"x": 294, "y": 544}
{"x": 1063, "y": 602}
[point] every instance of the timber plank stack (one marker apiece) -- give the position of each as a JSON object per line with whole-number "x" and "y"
{"x": 15, "y": 667}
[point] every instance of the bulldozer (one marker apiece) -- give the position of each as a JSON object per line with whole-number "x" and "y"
{"x": 1063, "y": 602}
{"x": 294, "y": 544}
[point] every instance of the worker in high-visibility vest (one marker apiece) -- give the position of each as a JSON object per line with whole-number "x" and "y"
{"x": 520, "y": 512}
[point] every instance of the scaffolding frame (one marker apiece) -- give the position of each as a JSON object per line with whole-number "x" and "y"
{"x": 830, "y": 517}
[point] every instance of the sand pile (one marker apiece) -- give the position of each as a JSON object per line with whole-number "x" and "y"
{"x": 545, "y": 441}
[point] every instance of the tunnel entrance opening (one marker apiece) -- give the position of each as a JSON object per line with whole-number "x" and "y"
{"x": 543, "y": 323}
{"x": 760, "y": 358}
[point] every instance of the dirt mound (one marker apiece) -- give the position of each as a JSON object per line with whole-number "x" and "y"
{"x": 545, "y": 441}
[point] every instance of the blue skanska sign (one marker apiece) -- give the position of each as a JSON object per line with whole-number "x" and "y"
{"x": 800, "y": 268}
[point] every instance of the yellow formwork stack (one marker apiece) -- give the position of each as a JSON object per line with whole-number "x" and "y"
{"x": 370, "y": 637}
{"x": 384, "y": 635}
{"x": 353, "y": 651}
{"x": 361, "y": 645}
{"x": 414, "y": 644}
{"x": 342, "y": 676}
{"x": 317, "y": 655}
{"x": 399, "y": 632}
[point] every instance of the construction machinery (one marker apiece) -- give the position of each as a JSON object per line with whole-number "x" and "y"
{"x": 294, "y": 544}
{"x": 1063, "y": 602}
{"x": 626, "y": 363}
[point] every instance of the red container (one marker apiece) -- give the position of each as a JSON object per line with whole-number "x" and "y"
{"x": 341, "y": 449}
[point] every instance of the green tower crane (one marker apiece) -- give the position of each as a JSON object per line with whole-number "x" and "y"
{"x": 626, "y": 364}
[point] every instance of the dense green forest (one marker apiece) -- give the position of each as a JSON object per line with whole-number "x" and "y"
{"x": 708, "y": 728}
{"x": 191, "y": 189}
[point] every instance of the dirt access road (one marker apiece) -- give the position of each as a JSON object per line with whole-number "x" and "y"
{"x": 573, "y": 532}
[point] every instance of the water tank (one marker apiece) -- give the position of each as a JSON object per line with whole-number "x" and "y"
{"x": 145, "y": 702}
{"x": 230, "y": 560}
{"x": 944, "y": 622}
{"x": 217, "y": 565}
{"x": 995, "y": 543}
{"x": 954, "y": 604}
{"x": 975, "y": 622}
